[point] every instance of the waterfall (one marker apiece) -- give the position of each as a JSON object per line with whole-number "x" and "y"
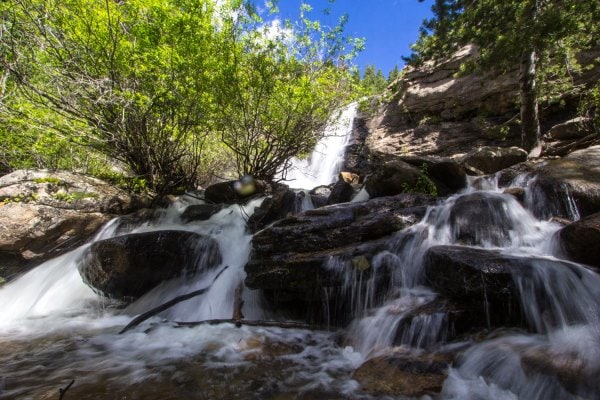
{"x": 324, "y": 163}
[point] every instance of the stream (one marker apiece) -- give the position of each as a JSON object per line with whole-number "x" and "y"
{"x": 54, "y": 329}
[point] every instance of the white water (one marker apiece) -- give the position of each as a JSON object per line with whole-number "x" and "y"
{"x": 324, "y": 163}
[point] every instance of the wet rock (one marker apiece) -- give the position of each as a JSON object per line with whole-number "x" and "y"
{"x": 404, "y": 374}
{"x": 569, "y": 368}
{"x": 200, "y": 212}
{"x": 571, "y": 129}
{"x": 581, "y": 240}
{"x": 289, "y": 257}
{"x": 397, "y": 177}
{"x": 479, "y": 281}
{"x": 481, "y": 218}
{"x": 283, "y": 202}
{"x": 517, "y": 192}
{"x": 485, "y": 285}
{"x": 489, "y": 160}
{"x": 341, "y": 192}
{"x": 230, "y": 192}
{"x": 319, "y": 195}
{"x": 125, "y": 267}
{"x": 564, "y": 184}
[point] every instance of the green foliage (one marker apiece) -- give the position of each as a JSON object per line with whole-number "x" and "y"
{"x": 71, "y": 197}
{"x": 169, "y": 92}
{"x": 49, "y": 179}
{"x": 422, "y": 185}
{"x": 276, "y": 88}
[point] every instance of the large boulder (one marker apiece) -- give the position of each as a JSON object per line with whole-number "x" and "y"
{"x": 125, "y": 267}
{"x": 498, "y": 290}
{"x": 282, "y": 202}
{"x": 395, "y": 177}
{"x": 445, "y": 172}
{"x": 481, "y": 218}
{"x": 489, "y": 159}
{"x": 581, "y": 240}
{"x": 568, "y": 187}
{"x": 290, "y": 258}
{"x": 44, "y": 214}
{"x": 230, "y": 192}
{"x": 571, "y": 129}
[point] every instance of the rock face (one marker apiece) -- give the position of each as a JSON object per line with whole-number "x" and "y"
{"x": 581, "y": 240}
{"x": 435, "y": 89}
{"x": 290, "y": 257}
{"x": 45, "y": 214}
{"x": 563, "y": 185}
{"x": 125, "y": 267}
{"x": 488, "y": 160}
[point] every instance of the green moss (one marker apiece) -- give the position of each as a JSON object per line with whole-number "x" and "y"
{"x": 74, "y": 196}
{"x": 20, "y": 198}
{"x": 48, "y": 179}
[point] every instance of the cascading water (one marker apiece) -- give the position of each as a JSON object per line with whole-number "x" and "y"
{"x": 54, "y": 329}
{"x": 324, "y": 163}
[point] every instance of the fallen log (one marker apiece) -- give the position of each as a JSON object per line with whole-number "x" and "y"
{"x": 268, "y": 324}
{"x": 142, "y": 317}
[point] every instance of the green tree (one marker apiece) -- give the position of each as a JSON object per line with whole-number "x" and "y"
{"x": 276, "y": 88}
{"x": 129, "y": 77}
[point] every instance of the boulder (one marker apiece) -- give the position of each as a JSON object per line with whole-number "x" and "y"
{"x": 230, "y": 192}
{"x": 290, "y": 257}
{"x": 342, "y": 192}
{"x": 45, "y": 214}
{"x": 397, "y": 177}
{"x": 200, "y": 212}
{"x": 319, "y": 195}
{"x": 445, "y": 172}
{"x": 481, "y": 218}
{"x": 571, "y": 129}
{"x": 498, "y": 290}
{"x": 282, "y": 202}
{"x": 125, "y": 267}
{"x": 568, "y": 187}
{"x": 404, "y": 374}
{"x": 489, "y": 159}
{"x": 581, "y": 240}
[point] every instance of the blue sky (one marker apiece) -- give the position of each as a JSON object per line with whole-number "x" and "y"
{"x": 388, "y": 26}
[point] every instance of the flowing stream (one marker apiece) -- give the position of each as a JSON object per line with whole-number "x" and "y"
{"x": 54, "y": 329}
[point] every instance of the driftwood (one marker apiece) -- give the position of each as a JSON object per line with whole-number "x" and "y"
{"x": 142, "y": 317}
{"x": 62, "y": 392}
{"x": 276, "y": 324}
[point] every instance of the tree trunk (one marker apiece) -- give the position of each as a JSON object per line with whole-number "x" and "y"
{"x": 530, "y": 123}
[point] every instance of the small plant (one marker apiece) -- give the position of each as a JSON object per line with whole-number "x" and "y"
{"x": 48, "y": 179}
{"x": 430, "y": 120}
{"x": 20, "y": 198}
{"x": 422, "y": 185}
{"x": 74, "y": 196}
